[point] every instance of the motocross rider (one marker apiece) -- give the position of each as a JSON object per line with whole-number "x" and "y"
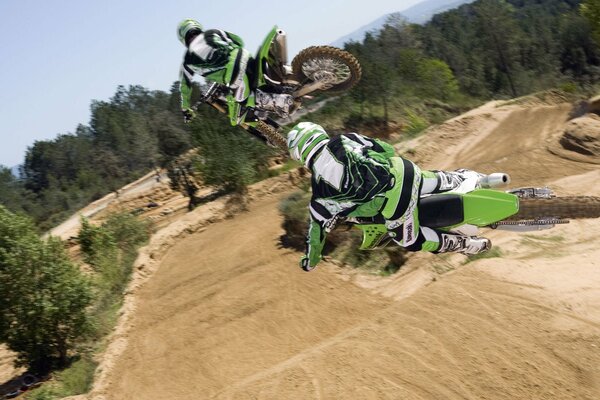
{"x": 357, "y": 176}
{"x": 220, "y": 57}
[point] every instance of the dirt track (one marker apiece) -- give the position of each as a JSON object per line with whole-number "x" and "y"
{"x": 229, "y": 315}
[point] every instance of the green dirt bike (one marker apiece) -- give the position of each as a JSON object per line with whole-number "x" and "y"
{"x": 474, "y": 205}
{"x": 316, "y": 69}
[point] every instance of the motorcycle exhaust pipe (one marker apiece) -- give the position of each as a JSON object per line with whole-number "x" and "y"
{"x": 494, "y": 180}
{"x": 281, "y": 45}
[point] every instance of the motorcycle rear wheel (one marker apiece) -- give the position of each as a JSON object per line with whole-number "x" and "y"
{"x": 317, "y": 62}
{"x": 569, "y": 207}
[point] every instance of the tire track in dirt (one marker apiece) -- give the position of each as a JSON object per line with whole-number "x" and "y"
{"x": 229, "y": 315}
{"x": 251, "y": 326}
{"x": 519, "y": 146}
{"x": 479, "y": 344}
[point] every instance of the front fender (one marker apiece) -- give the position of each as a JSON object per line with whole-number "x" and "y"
{"x": 263, "y": 54}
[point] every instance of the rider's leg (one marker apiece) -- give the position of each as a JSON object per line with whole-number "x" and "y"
{"x": 402, "y": 215}
{"x": 235, "y": 73}
{"x": 452, "y": 242}
{"x": 241, "y": 95}
{"x": 237, "y": 80}
{"x": 442, "y": 242}
{"x": 444, "y": 181}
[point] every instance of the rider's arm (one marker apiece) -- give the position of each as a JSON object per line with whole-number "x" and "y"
{"x": 235, "y": 38}
{"x": 185, "y": 86}
{"x": 383, "y": 148}
{"x": 317, "y": 233}
{"x": 222, "y": 41}
{"x": 314, "y": 245}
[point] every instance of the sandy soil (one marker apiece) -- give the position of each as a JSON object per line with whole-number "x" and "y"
{"x": 217, "y": 310}
{"x": 139, "y": 188}
{"x": 240, "y": 320}
{"x": 228, "y": 314}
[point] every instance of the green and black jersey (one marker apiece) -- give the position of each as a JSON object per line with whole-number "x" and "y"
{"x": 207, "y": 55}
{"x": 351, "y": 175}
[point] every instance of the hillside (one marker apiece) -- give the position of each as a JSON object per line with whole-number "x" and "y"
{"x": 420, "y": 13}
{"x": 226, "y": 313}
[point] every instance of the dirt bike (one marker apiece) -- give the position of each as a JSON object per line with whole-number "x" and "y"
{"x": 475, "y": 205}
{"x": 314, "y": 69}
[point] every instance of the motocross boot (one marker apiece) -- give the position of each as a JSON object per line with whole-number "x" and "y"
{"x": 468, "y": 245}
{"x": 282, "y": 104}
{"x": 451, "y": 180}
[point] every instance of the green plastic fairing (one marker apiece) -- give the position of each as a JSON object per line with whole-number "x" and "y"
{"x": 483, "y": 207}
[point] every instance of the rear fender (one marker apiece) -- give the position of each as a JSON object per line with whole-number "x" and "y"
{"x": 483, "y": 207}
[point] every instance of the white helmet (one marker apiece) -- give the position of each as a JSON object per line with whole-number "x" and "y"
{"x": 304, "y": 140}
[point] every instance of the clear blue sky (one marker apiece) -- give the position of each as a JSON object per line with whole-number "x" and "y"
{"x": 56, "y": 56}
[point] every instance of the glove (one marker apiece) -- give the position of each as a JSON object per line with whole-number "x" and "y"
{"x": 332, "y": 223}
{"x": 188, "y": 115}
{"x": 305, "y": 264}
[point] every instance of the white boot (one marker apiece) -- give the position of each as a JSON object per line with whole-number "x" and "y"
{"x": 451, "y": 180}
{"x": 463, "y": 244}
{"x": 282, "y": 104}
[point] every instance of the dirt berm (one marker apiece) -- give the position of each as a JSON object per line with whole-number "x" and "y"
{"x": 225, "y": 313}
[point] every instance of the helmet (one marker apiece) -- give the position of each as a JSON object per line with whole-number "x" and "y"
{"x": 186, "y": 26}
{"x": 304, "y": 140}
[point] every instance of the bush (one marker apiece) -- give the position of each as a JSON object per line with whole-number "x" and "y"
{"x": 415, "y": 124}
{"x": 111, "y": 250}
{"x": 44, "y": 296}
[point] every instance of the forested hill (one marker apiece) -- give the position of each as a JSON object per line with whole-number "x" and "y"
{"x": 129, "y": 135}
{"x": 514, "y": 46}
{"x": 133, "y": 132}
{"x": 493, "y": 48}
{"x": 482, "y": 50}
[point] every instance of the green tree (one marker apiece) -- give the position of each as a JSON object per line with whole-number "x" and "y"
{"x": 130, "y": 134}
{"x": 11, "y": 191}
{"x": 44, "y": 296}
{"x": 499, "y": 35}
{"x": 436, "y": 79}
{"x": 580, "y": 55}
{"x": 184, "y": 178}
{"x": 228, "y": 158}
{"x": 590, "y": 9}
{"x": 110, "y": 250}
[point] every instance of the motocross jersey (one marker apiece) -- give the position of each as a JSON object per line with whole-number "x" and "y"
{"x": 207, "y": 55}
{"x": 350, "y": 176}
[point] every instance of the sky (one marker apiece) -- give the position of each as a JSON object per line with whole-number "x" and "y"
{"x": 57, "y": 56}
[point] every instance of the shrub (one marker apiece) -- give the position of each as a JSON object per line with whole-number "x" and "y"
{"x": 111, "y": 249}
{"x": 44, "y": 296}
{"x": 415, "y": 124}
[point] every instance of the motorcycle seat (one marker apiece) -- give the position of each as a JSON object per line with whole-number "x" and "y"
{"x": 441, "y": 210}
